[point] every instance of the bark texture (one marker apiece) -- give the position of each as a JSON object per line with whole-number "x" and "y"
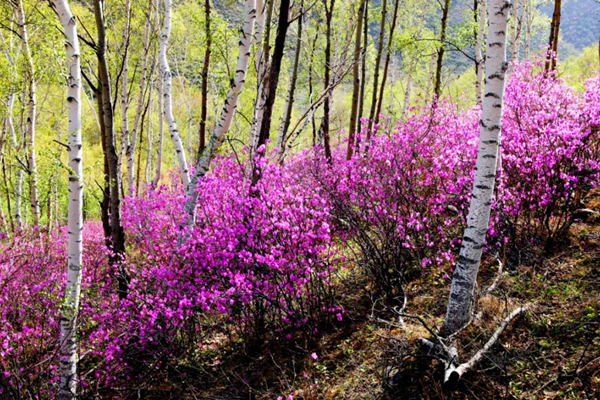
{"x": 68, "y": 321}
{"x": 221, "y": 129}
{"x": 165, "y": 71}
{"x": 465, "y": 275}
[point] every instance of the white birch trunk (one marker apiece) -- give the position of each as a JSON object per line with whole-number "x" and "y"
{"x": 465, "y": 275}
{"x": 130, "y": 152}
{"x": 479, "y": 60}
{"x": 220, "y": 131}
{"x": 68, "y": 323}
{"x": 161, "y": 127}
{"x": 19, "y": 173}
{"x": 30, "y": 73}
{"x": 261, "y": 65}
{"x": 168, "y": 106}
{"x": 125, "y": 139}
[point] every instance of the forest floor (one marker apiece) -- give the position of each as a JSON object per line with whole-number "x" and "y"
{"x": 552, "y": 352}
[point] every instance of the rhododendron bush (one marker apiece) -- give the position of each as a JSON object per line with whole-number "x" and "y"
{"x": 264, "y": 260}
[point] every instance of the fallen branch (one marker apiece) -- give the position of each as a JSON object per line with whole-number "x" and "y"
{"x": 453, "y": 372}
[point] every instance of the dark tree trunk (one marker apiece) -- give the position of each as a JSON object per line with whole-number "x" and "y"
{"x": 356, "y": 87}
{"x": 326, "y": 78}
{"x": 440, "y": 54}
{"x": 274, "y": 70}
{"x": 104, "y": 87}
{"x": 363, "y": 73}
{"x": 203, "y": 111}
{"x": 387, "y": 61}
{"x": 377, "y": 65}
{"x": 290, "y": 100}
{"x": 553, "y": 41}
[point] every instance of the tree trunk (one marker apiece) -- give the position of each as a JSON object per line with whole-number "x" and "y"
{"x": 363, "y": 73}
{"x": 356, "y": 86}
{"x": 161, "y": 127}
{"x": 479, "y": 60}
{"x": 68, "y": 321}
{"x": 116, "y": 229}
{"x": 125, "y": 139}
{"x": 529, "y": 23}
{"x": 440, "y": 53}
{"x": 274, "y": 71}
{"x": 514, "y": 48}
{"x": 465, "y": 275}
{"x": 207, "y": 51}
{"x": 130, "y": 150}
{"x": 166, "y": 76}
{"x": 324, "y": 129}
{"x": 218, "y": 136}
{"x": 262, "y": 60}
{"x": 408, "y": 92}
{"x": 287, "y": 115}
{"x": 554, "y": 32}
{"x": 377, "y": 64}
{"x": 31, "y": 115}
{"x": 387, "y": 62}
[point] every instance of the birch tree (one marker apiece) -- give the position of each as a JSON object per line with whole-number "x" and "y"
{"x": 130, "y": 150}
{"x": 356, "y": 78}
{"x": 165, "y": 71}
{"x": 31, "y": 113}
{"x": 479, "y": 60}
{"x": 68, "y": 322}
{"x": 465, "y": 275}
{"x": 218, "y": 136}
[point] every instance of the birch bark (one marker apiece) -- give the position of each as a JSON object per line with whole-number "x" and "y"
{"x": 68, "y": 323}
{"x": 168, "y": 106}
{"x": 479, "y": 60}
{"x": 31, "y": 116}
{"x": 218, "y": 136}
{"x": 130, "y": 151}
{"x": 465, "y": 275}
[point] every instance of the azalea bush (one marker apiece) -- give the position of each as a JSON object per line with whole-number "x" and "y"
{"x": 550, "y": 152}
{"x": 264, "y": 259}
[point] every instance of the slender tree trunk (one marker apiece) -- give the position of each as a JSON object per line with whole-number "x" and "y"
{"x": 117, "y": 233}
{"x": 218, "y": 136}
{"x": 274, "y": 70}
{"x": 310, "y": 83}
{"x": 19, "y": 173}
{"x": 479, "y": 60}
{"x": 554, "y": 33}
{"x": 356, "y": 86}
{"x": 529, "y": 18}
{"x": 465, "y": 275}
{"x": 125, "y": 139}
{"x": 289, "y": 104}
{"x": 68, "y": 322}
{"x": 363, "y": 73}
{"x": 377, "y": 65}
{"x": 514, "y": 47}
{"x": 166, "y": 76}
{"x": 207, "y": 51}
{"x": 440, "y": 54}
{"x": 130, "y": 152}
{"x": 324, "y": 129}
{"x": 262, "y": 60}
{"x": 387, "y": 62}
{"x": 408, "y": 92}
{"x": 31, "y": 116}
{"x": 161, "y": 128}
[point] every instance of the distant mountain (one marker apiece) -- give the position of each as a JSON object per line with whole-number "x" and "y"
{"x": 579, "y": 24}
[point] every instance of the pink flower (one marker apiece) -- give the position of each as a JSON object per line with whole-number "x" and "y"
{"x": 314, "y": 356}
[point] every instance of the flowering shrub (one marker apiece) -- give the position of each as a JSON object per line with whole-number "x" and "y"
{"x": 550, "y": 151}
{"x": 262, "y": 259}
